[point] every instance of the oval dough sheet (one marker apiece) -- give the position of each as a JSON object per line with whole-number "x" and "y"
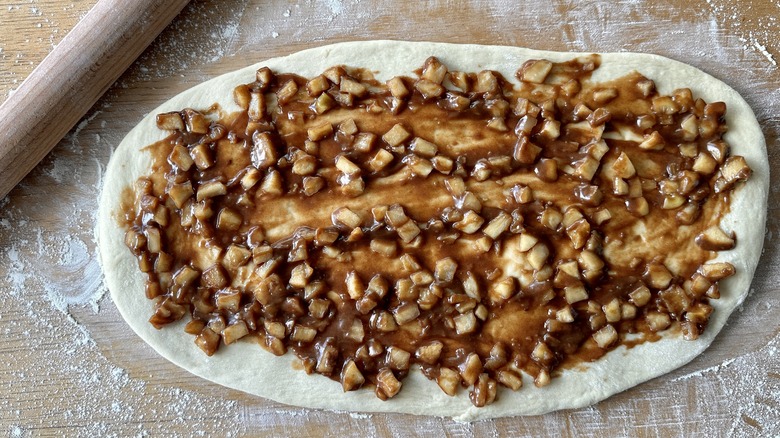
{"x": 247, "y": 367}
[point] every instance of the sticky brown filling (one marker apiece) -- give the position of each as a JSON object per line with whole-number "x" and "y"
{"x": 478, "y": 228}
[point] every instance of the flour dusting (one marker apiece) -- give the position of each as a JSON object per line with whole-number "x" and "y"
{"x": 702, "y": 372}
{"x": 757, "y": 32}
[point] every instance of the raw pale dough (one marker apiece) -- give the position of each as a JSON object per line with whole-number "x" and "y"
{"x": 247, "y": 367}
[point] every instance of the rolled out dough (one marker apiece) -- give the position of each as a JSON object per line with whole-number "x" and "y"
{"x": 247, "y": 367}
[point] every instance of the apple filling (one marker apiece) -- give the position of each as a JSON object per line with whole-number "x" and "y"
{"x": 480, "y": 229}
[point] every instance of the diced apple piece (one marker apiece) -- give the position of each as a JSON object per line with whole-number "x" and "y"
{"x": 273, "y": 328}
{"x": 397, "y": 88}
{"x": 396, "y": 135}
{"x": 638, "y": 206}
{"x": 434, "y": 70}
{"x": 470, "y": 369}
{"x": 323, "y": 103}
{"x": 484, "y": 392}
{"x": 380, "y": 160}
{"x": 302, "y": 334}
{"x": 579, "y": 232}
{"x": 586, "y": 167}
{"x": 180, "y": 157}
{"x": 300, "y": 275}
{"x": 419, "y": 166}
{"x": 534, "y": 71}
{"x": 510, "y": 379}
{"x": 429, "y": 353}
{"x": 716, "y": 271}
{"x": 653, "y": 142}
{"x": 612, "y": 310}
{"x": 384, "y": 247}
{"x": 486, "y": 82}
{"x": 234, "y": 332}
{"x": 408, "y": 231}
{"x": 344, "y": 216}
{"x": 470, "y": 223}
{"x": 153, "y": 239}
{"x": 364, "y": 142}
{"x": 600, "y": 115}
{"x": 387, "y": 384}
{"x": 498, "y": 225}
{"x": 211, "y": 189}
{"x": 657, "y": 275}
{"x": 355, "y": 286}
{"x": 640, "y": 296}
{"x": 565, "y": 315}
{"x": 623, "y": 167}
{"x": 448, "y": 380}
{"x": 428, "y": 89}
{"x": 471, "y": 286}
{"x": 346, "y": 166}
{"x": 605, "y": 95}
{"x": 319, "y": 132}
{"x": 351, "y": 377}
{"x": 235, "y": 256}
{"x": 317, "y": 86}
{"x": 263, "y": 152}
{"x": 665, "y": 105}
{"x": 526, "y": 242}
{"x": 229, "y": 219}
{"x": 256, "y": 107}
{"x": 465, "y": 323}
{"x": 272, "y": 183}
{"x": 398, "y": 359}
{"x": 574, "y": 294}
{"x": 715, "y": 239}
{"x": 445, "y": 270}
{"x": 406, "y": 312}
{"x": 208, "y": 341}
{"x": 423, "y": 148}
{"x": 502, "y": 291}
{"x": 170, "y": 121}
{"x": 547, "y": 170}
{"x": 537, "y": 256}
{"x": 421, "y": 278}
{"x": 442, "y": 164}
{"x": 384, "y": 321}
{"x": 605, "y": 336}
{"x": 733, "y": 170}
{"x": 658, "y": 321}
{"x": 551, "y": 217}
{"x": 196, "y": 122}
{"x": 353, "y": 87}
{"x": 202, "y": 156}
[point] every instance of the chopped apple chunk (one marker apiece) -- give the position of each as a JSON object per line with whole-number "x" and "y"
{"x": 715, "y": 239}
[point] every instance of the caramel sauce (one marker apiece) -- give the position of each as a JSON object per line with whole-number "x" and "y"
{"x": 481, "y": 144}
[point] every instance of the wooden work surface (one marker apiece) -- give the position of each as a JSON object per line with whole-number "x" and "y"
{"x": 70, "y": 366}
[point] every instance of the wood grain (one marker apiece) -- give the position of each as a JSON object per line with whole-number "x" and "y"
{"x": 72, "y": 78}
{"x": 82, "y": 372}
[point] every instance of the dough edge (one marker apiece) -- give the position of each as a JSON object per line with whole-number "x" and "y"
{"x": 246, "y": 367}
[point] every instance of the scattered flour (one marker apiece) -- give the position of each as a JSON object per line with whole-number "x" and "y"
{"x": 700, "y": 373}
{"x": 757, "y": 32}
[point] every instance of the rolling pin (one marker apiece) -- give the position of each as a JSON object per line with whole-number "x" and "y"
{"x": 73, "y": 77}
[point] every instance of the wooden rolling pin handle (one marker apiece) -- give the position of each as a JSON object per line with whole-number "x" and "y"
{"x": 73, "y": 77}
